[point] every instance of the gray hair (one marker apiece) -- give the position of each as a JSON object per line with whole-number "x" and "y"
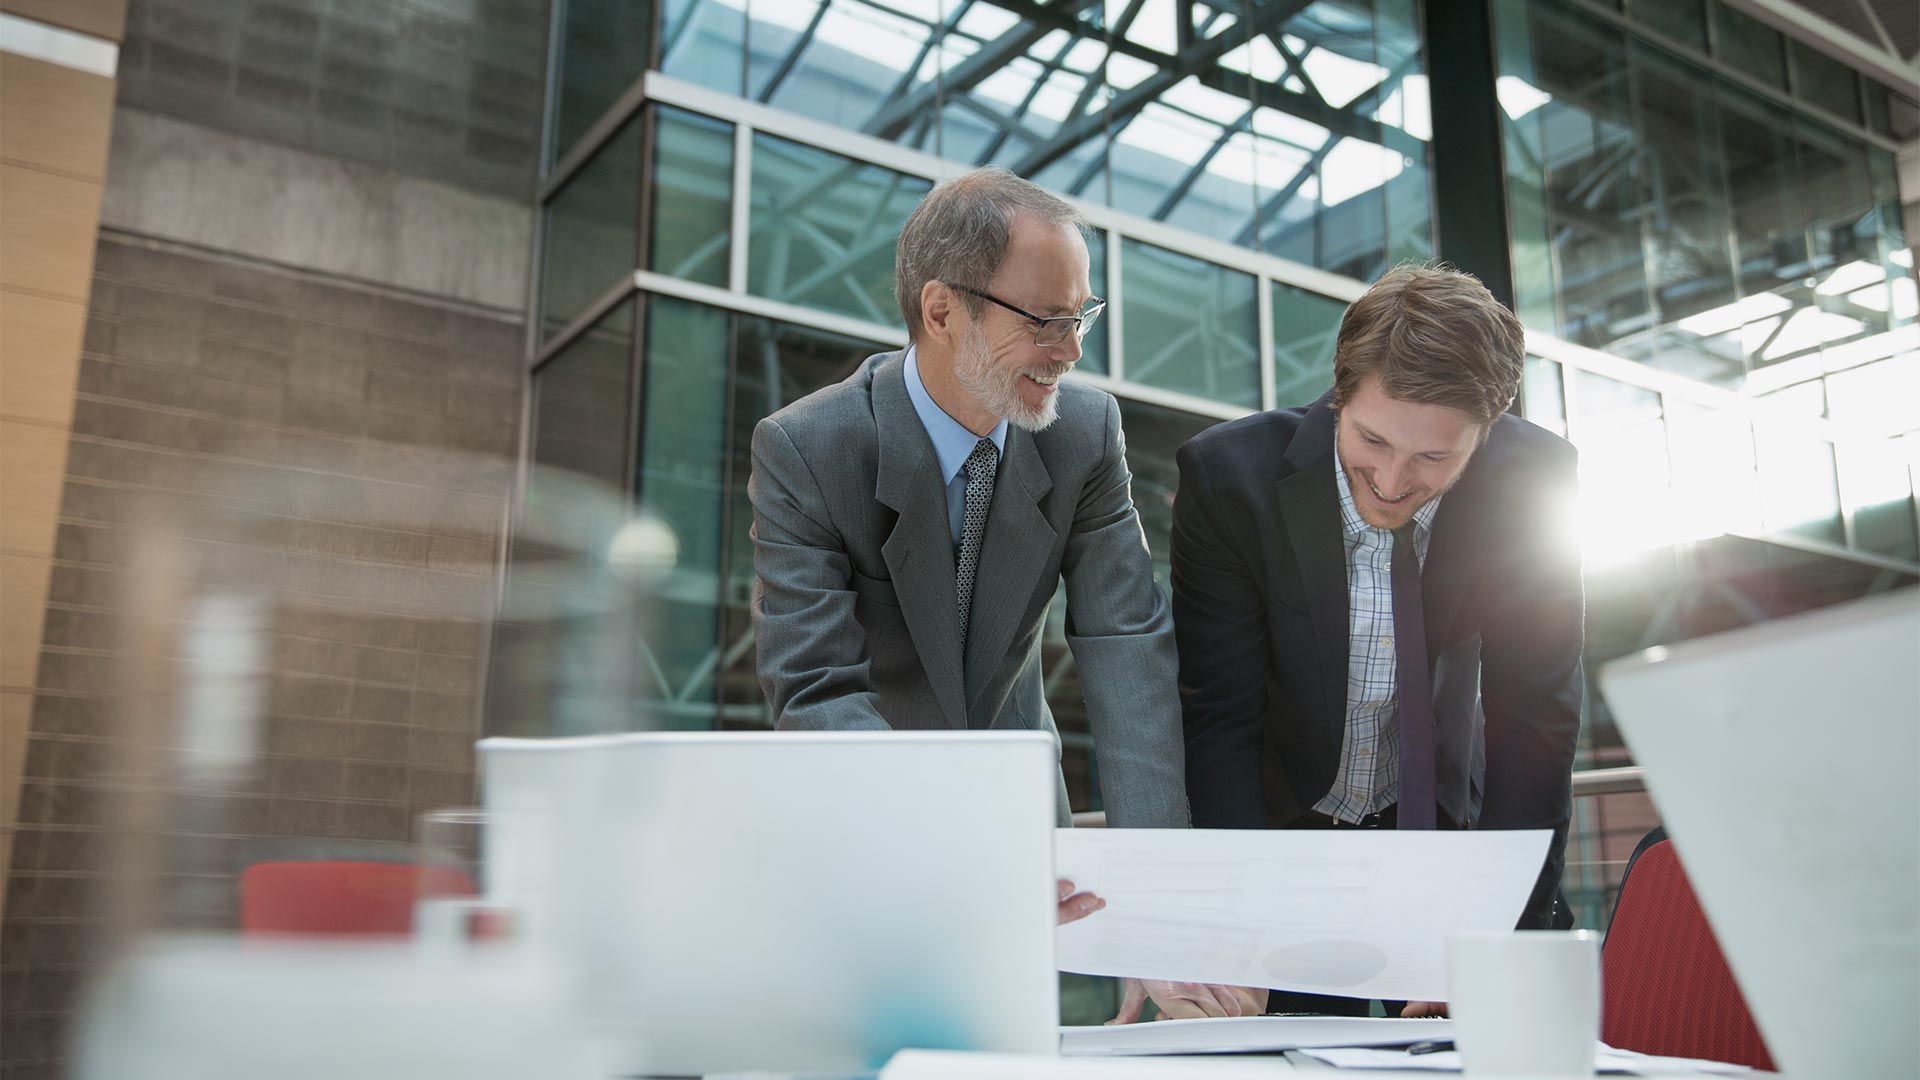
{"x": 959, "y": 234}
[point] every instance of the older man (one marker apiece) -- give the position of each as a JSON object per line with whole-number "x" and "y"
{"x": 912, "y": 523}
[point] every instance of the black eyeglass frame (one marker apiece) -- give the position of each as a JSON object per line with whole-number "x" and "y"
{"x": 1082, "y": 323}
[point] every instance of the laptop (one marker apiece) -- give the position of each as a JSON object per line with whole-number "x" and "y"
{"x": 1782, "y": 758}
{"x": 800, "y": 902}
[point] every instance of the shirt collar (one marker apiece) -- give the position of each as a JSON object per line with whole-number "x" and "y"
{"x": 952, "y": 442}
{"x": 1352, "y": 524}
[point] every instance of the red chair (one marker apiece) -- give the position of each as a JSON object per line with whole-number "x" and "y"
{"x": 1666, "y": 987}
{"x": 334, "y": 897}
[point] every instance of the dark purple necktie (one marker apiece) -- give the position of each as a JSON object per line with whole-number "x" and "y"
{"x": 1416, "y": 696}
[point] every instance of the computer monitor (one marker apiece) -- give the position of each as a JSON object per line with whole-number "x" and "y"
{"x": 801, "y": 902}
{"x": 1782, "y": 758}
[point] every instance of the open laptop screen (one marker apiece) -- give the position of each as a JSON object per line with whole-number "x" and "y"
{"x": 795, "y": 901}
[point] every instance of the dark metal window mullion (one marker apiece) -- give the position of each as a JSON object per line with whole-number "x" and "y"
{"x": 1469, "y": 175}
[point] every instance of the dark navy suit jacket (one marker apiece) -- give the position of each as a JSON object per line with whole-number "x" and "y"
{"x": 1260, "y": 607}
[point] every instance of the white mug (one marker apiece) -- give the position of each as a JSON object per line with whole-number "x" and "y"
{"x": 1525, "y": 1003}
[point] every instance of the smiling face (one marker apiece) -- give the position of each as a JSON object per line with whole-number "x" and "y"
{"x": 1001, "y": 372}
{"x": 1400, "y": 456}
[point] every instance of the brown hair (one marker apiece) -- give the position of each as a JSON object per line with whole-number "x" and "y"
{"x": 959, "y": 233}
{"x": 1435, "y": 336}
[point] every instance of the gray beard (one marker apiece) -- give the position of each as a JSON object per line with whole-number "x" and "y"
{"x": 998, "y": 392}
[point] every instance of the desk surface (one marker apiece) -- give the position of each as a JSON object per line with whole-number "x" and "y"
{"x": 984, "y": 1066}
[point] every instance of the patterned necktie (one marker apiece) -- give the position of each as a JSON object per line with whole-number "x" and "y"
{"x": 979, "y": 467}
{"x": 1416, "y": 695}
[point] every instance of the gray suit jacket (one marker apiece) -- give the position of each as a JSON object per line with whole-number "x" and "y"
{"x": 854, "y": 610}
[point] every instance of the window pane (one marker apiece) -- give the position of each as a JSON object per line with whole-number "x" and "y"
{"x": 1029, "y": 94}
{"x": 1042, "y": 115}
{"x": 1838, "y": 194}
{"x": 590, "y": 231}
{"x": 1190, "y": 326}
{"x": 1570, "y": 107}
{"x": 1679, "y": 20}
{"x": 1329, "y": 211}
{"x": 776, "y": 364}
{"x": 1895, "y": 257}
{"x": 1823, "y": 82}
{"x": 603, "y": 48}
{"x": 1188, "y": 160}
{"x": 1883, "y": 519}
{"x": 1763, "y": 178}
{"x": 1405, "y": 108}
{"x": 1543, "y": 402}
{"x": 575, "y": 500}
{"x": 1153, "y": 434}
{"x": 682, "y": 453}
{"x": 823, "y": 229}
{"x": 1797, "y": 481}
{"x": 1716, "y": 488}
{"x": 1093, "y": 347}
{"x": 704, "y": 42}
{"x": 1879, "y": 102}
{"x": 1875, "y": 478}
{"x": 692, "y": 203}
{"x": 1750, "y": 46}
{"x": 850, "y": 63}
{"x": 1304, "y": 328}
{"x": 580, "y": 404}
{"x": 1523, "y": 135}
{"x": 1097, "y": 101}
{"x": 1676, "y": 119}
{"x": 1689, "y": 259}
{"x": 1334, "y": 194}
{"x": 1626, "y": 491}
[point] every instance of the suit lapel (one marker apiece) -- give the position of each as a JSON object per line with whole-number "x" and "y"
{"x": 919, "y": 551}
{"x": 1018, "y": 540}
{"x": 1453, "y": 551}
{"x": 1309, "y": 501}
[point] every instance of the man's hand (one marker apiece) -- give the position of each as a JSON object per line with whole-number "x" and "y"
{"x": 1187, "y": 1001}
{"x": 1076, "y": 906}
{"x": 1416, "y": 1009}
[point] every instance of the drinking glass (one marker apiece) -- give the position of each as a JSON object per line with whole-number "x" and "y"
{"x": 451, "y": 909}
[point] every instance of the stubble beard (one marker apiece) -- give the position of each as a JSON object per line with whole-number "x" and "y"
{"x": 998, "y": 392}
{"x": 1358, "y": 482}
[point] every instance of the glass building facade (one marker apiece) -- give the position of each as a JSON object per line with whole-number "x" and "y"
{"x": 1705, "y": 241}
{"x": 1690, "y": 217}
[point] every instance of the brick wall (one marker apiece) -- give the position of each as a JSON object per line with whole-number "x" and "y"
{"x": 345, "y": 454}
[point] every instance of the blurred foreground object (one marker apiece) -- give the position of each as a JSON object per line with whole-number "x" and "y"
{"x": 896, "y": 886}
{"x": 1820, "y": 921}
{"x": 338, "y": 897}
{"x": 220, "y": 1009}
{"x": 280, "y": 719}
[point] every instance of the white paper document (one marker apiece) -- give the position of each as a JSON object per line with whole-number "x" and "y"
{"x": 1248, "y": 1034}
{"x": 1360, "y": 913}
{"x": 1606, "y": 1060}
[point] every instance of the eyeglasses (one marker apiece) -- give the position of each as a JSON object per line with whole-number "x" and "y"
{"x": 1052, "y": 329}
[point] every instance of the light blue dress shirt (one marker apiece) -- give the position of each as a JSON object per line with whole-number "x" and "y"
{"x": 1368, "y": 779}
{"x": 952, "y": 443}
